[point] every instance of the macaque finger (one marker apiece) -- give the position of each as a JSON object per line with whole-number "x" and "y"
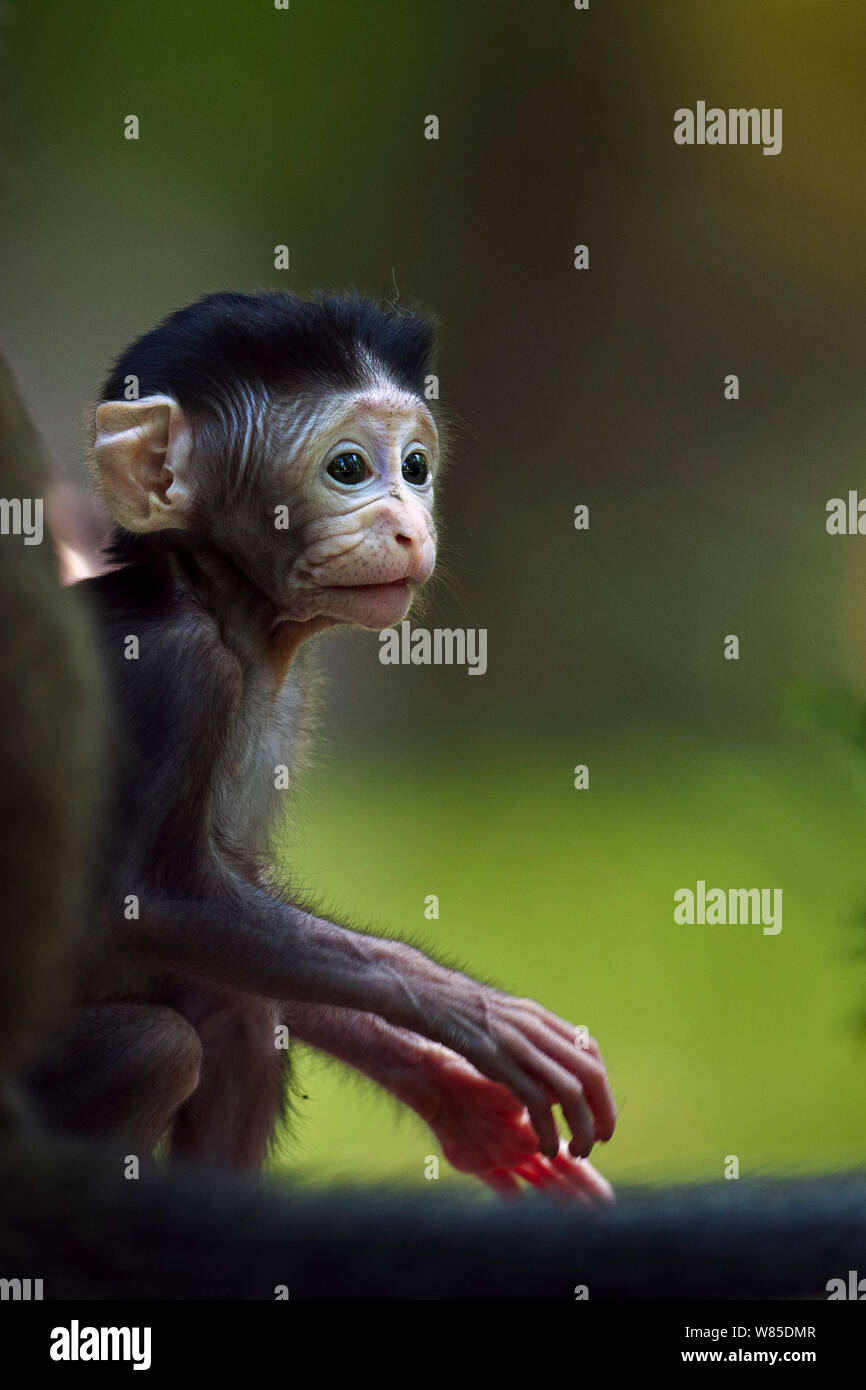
{"x": 567, "y": 1089}
{"x": 508, "y": 1067}
{"x": 541, "y": 1115}
{"x": 581, "y": 1174}
{"x": 572, "y": 1036}
{"x": 593, "y": 1078}
{"x": 566, "y": 1176}
{"x": 566, "y": 1031}
{"x": 588, "y": 1069}
{"x": 540, "y": 1173}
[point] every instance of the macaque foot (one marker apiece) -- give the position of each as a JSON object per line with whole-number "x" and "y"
{"x": 485, "y": 1130}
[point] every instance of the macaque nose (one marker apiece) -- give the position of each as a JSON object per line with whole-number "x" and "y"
{"x": 411, "y": 538}
{"x": 403, "y": 527}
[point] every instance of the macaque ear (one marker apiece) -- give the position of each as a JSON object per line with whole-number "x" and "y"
{"x": 141, "y": 452}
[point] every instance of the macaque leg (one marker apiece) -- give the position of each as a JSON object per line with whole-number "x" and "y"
{"x": 117, "y": 1069}
{"x": 231, "y": 1118}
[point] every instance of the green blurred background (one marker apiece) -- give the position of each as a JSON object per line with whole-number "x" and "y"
{"x": 306, "y": 127}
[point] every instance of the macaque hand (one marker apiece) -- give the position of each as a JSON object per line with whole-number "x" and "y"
{"x": 484, "y": 1130}
{"x": 540, "y": 1058}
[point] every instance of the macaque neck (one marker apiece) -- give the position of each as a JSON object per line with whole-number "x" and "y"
{"x": 248, "y": 619}
{"x": 285, "y": 640}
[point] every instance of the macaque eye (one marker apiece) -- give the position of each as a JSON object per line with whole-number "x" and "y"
{"x": 349, "y": 469}
{"x": 416, "y": 469}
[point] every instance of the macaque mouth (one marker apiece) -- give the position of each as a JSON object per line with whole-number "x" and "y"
{"x": 381, "y": 584}
{"x": 376, "y": 604}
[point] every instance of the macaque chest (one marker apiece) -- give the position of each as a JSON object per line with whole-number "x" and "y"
{"x": 256, "y": 779}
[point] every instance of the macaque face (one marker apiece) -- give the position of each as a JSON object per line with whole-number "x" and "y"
{"x": 355, "y": 471}
{"x": 358, "y": 472}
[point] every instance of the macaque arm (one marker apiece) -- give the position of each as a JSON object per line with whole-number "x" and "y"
{"x": 482, "y": 1129}
{"x": 245, "y": 939}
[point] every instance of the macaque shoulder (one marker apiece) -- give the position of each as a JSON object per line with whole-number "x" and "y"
{"x": 161, "y": 649}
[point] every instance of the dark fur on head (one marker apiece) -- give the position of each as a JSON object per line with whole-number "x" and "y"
{"x": 275, "y": 343}
{"x": 229, "y": 358}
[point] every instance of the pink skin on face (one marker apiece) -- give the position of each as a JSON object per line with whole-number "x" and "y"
{"x": 368, "y": 545}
